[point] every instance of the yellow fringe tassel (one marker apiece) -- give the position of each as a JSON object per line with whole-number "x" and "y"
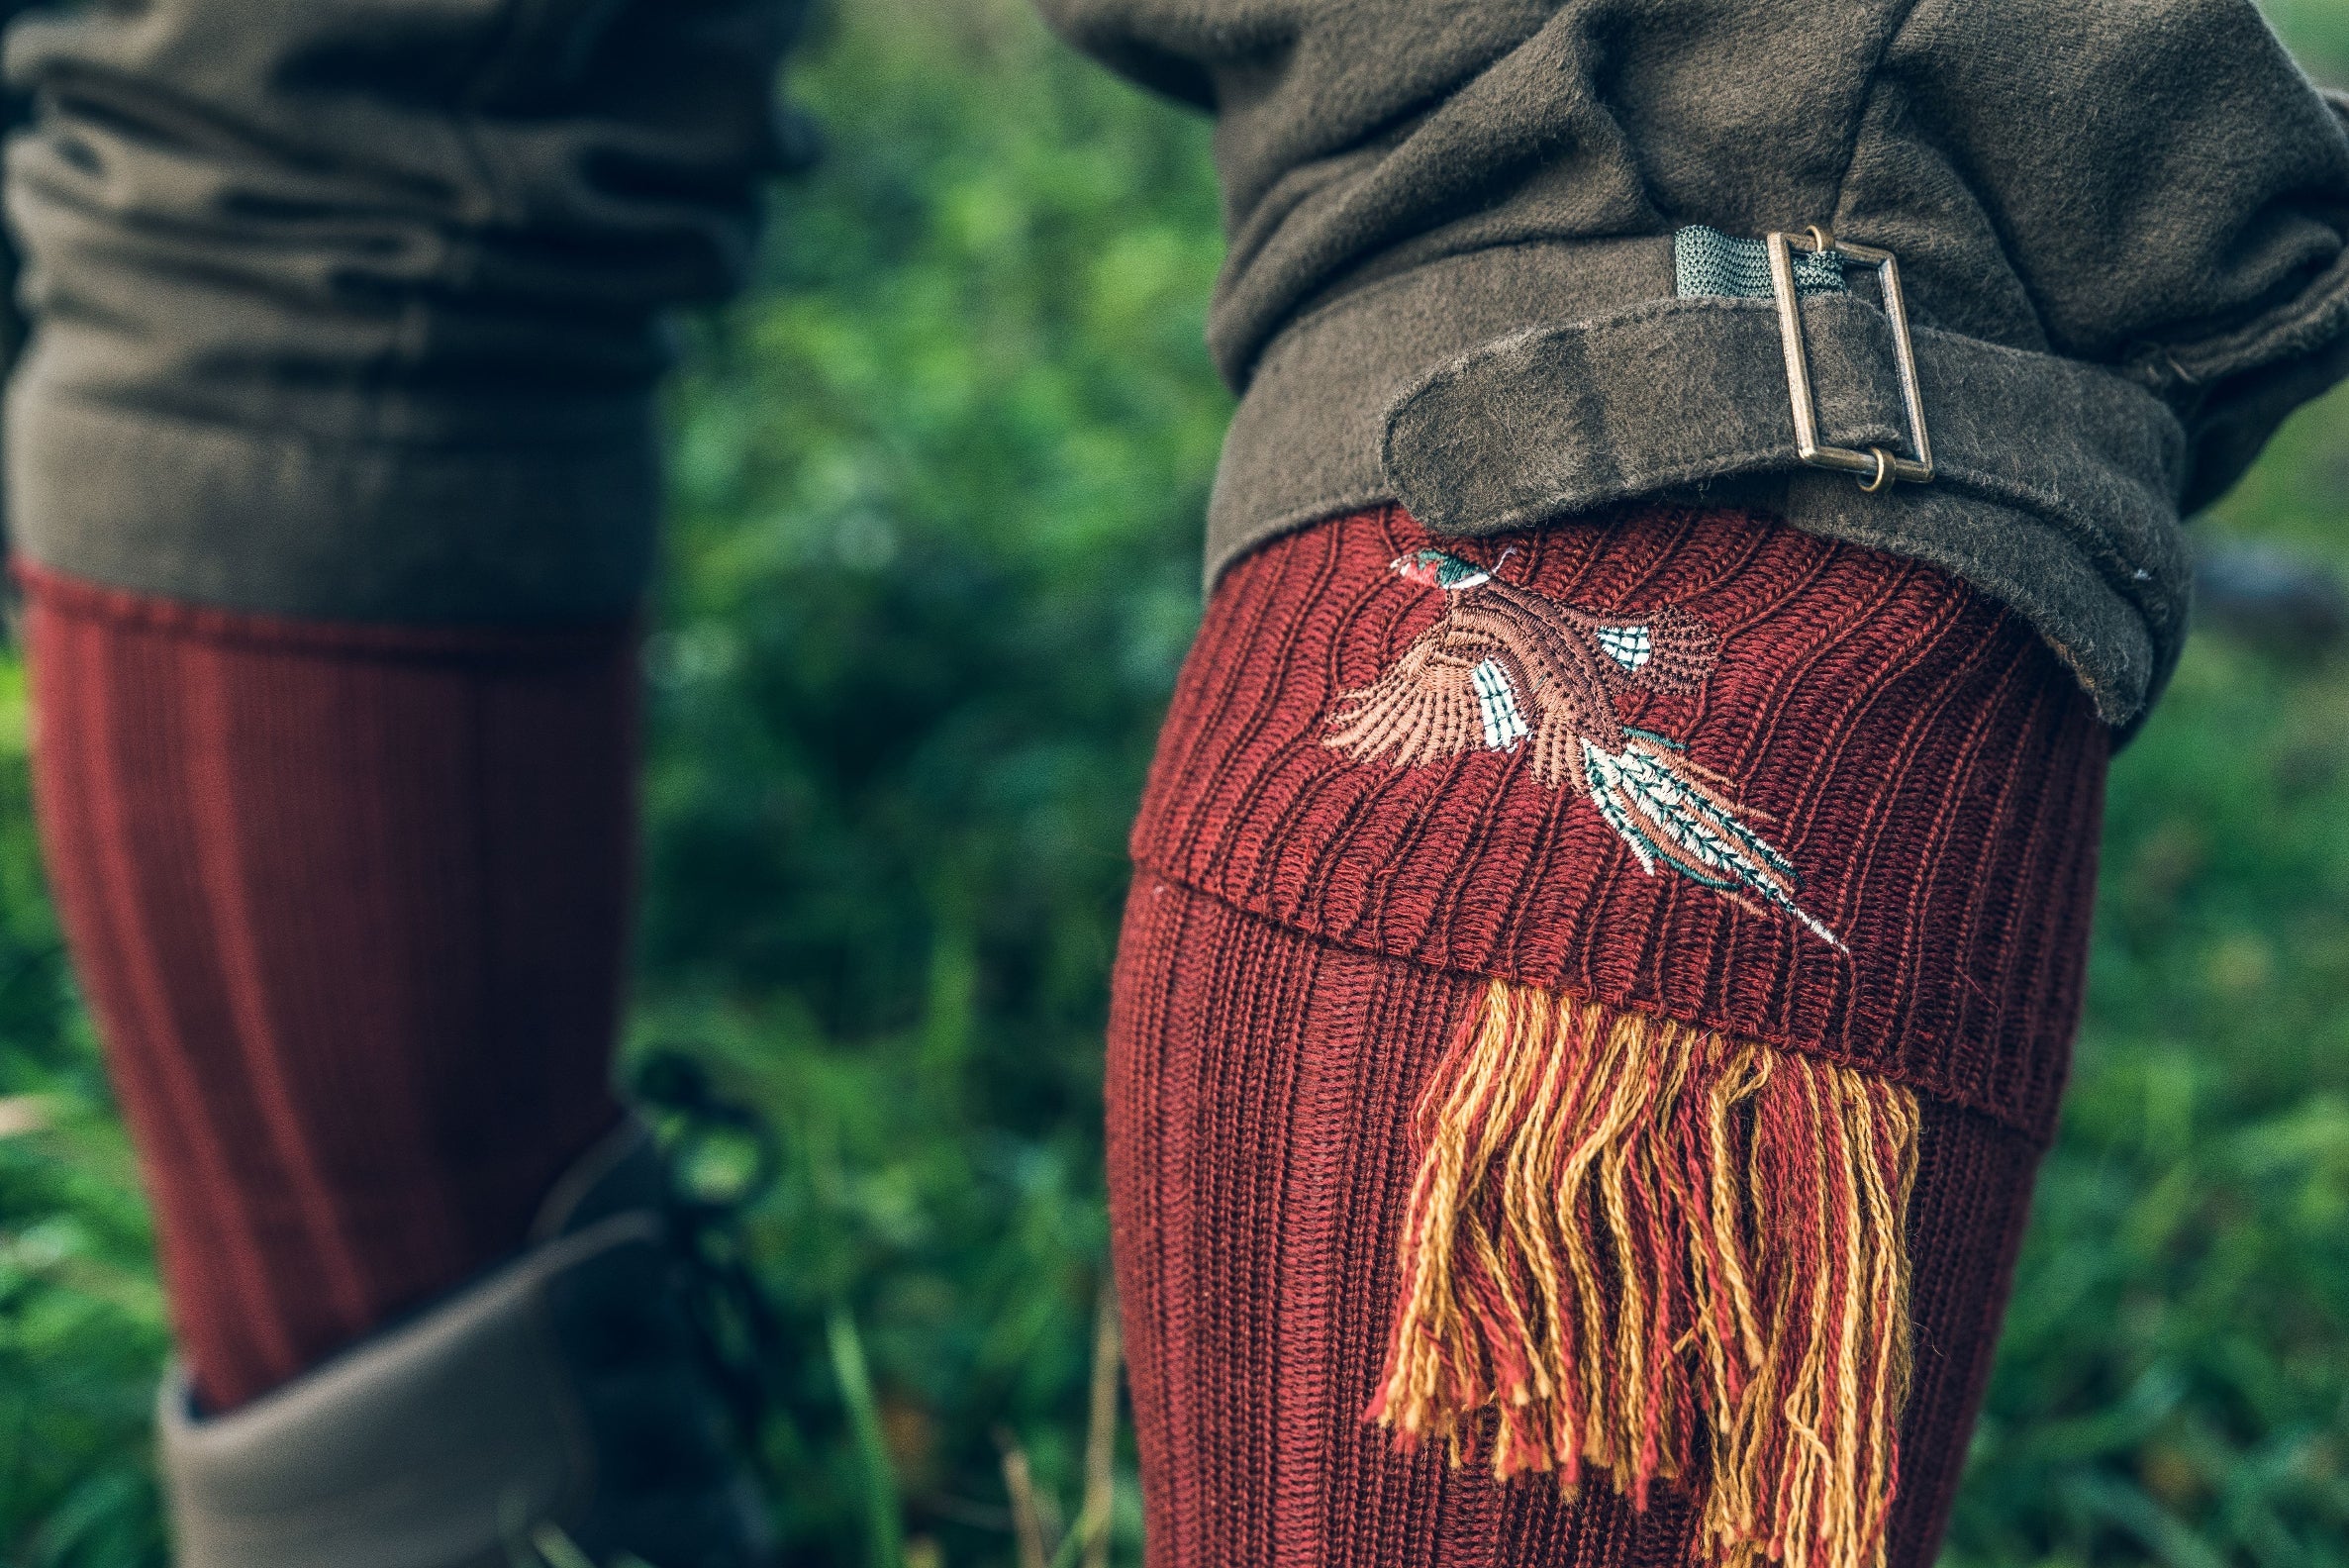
{"x": 1662, "y": 1253}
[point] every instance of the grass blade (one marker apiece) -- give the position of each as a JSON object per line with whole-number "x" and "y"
{"x": 1101, "y": 1430}
{"x": 884, "y": 1521}
{"x": 1027, "y": 1514}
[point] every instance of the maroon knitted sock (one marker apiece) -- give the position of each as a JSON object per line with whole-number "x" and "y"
{"x": 1788, "y": 823}
{"x": 351, "y": 903}
{"x": 1260, "y": 1161}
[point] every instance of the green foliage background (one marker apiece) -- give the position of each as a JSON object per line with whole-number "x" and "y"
{"x": 937, "y": 490}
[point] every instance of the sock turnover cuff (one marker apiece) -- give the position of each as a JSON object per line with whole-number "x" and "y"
{"x": 1688, "y": 764}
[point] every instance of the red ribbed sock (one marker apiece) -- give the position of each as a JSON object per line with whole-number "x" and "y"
{"x": 1260, "y": 1091}
{"x": 1352, "y": 829}
{"x": 351, "y": 903}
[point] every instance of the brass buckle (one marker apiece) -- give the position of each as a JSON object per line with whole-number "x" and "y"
{"x": 1880, "y": 467}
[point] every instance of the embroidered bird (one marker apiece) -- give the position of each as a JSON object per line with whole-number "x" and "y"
{"x": 1506, "y": 668}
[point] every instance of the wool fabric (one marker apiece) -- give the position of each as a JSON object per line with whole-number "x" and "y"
{"x": 1335, "y": 866}
{"x": 1921, "y": 758}
{"x": 1261, "y": 1088}
{"x": 351, "y": 903}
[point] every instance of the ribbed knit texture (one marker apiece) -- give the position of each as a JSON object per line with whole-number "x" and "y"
{"x": 1261, "y": 1084}
{"x": 351, "y": 903}
{"x": 1311, "y": 926}
{"x": 1929, "y": 766}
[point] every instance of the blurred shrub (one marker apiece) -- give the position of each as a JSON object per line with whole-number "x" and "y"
{"x": 937, "y": 490}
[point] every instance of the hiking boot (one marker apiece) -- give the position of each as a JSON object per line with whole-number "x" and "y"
{"x": 554, "y": 1410}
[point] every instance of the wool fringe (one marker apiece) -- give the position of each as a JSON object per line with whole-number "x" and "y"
{"x": 1660, "y": 1254}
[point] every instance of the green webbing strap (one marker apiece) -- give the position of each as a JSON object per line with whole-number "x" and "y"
{"x": 1707, "y": 262}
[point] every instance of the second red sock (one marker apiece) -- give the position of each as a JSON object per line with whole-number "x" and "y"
{"x": 351, "y": 903}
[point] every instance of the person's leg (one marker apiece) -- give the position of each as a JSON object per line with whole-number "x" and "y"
{"x": 1326, "y": 1106}
{"x": 1262, "y": 1084}
{"x": 351, "y": 905}
{"x": 334, "y": 457}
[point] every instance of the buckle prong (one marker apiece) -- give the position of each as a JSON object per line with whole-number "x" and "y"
{"x": 1880, "y": 467}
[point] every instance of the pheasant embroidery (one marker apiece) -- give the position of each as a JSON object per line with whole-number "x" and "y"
{"x": 1506, "y": 667}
